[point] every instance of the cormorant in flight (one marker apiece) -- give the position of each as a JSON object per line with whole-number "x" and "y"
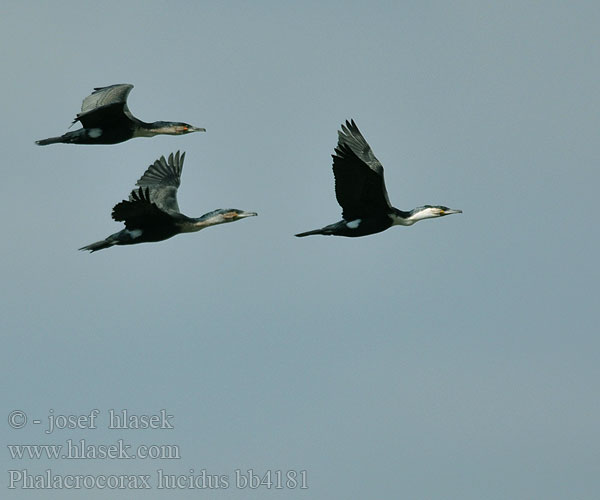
{"x": 106, "y": 119}
{"x": 152, "y": 212}
{"x": 360, "y": 191}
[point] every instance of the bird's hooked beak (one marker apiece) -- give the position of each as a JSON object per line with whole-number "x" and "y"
{"x": 246, "y": 214}
{"x": 450, "y": 211}
{"x": 235, "y": 215}
{"x": 195, "y": 129}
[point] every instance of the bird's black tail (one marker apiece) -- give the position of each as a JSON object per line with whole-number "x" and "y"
{"x": 50, "y": 140}
{"x": 308, "y": 233}
{"x": 77, "y": 136}
{"x": 100, "y": 245}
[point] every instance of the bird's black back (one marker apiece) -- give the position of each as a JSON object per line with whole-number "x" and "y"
{"x": 106, "y": 109}
{"x": 140, "y": 213}
{"x": 111, "y": 115}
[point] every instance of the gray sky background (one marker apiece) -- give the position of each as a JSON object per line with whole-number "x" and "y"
{"x": 457, "y": 358}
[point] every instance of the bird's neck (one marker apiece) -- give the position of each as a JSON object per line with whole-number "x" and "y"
{"x": 155, "y": 128}
{"x": 191, "y": 226}
{"x": 401, "y": 218}
{"x": 207, "y": 220}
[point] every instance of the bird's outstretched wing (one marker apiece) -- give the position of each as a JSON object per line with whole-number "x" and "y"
{"x": 359, "y": 183}
{"x": 105, "y": 104}
{"x": 163, "y": 179}
{"x": 102, "y": 96}
{"x": 139, "y": 212}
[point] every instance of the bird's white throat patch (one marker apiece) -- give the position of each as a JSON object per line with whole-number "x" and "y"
{"x": 401, "y": 221}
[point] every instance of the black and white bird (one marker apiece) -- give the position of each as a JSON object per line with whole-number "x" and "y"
{"x": 360, "y": 191}
{"x": 152, "y": 212}
{"x": 106, "y": 119}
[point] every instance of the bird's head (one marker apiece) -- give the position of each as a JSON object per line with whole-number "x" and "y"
{"x": 233, "y": 214}
{"x": 431, "y": 211}
{"x": 174, "y": 128}
{"x": 440, "y": 211}
{"x": 421, "y": 213}
{"x": 221, "y": 216}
